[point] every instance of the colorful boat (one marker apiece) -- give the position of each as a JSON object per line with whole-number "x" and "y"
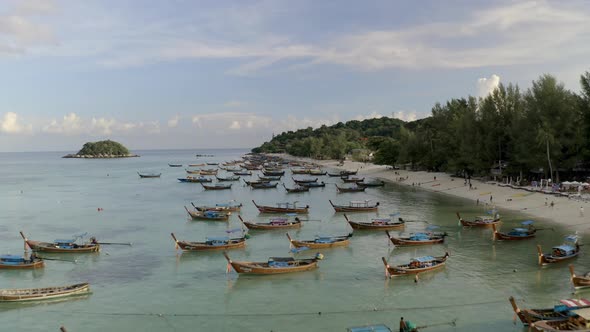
{"x": 481, "y": 221}
{"x": 282, "y": 208}
{"x": 519, "y": 233}
{"x": 149, "y": 175}
{"x": 322, "y": 242}
{"x": 16, "y": 262}
{"x": 416, "y": 265}
{"x": 559, "y": 312}
{"x": 63, "y": 246}
{"x": 275, "y": 265}
{"x": 352, "y": 189}
{"x": 208, "y": 215}
{"x": 211, "y": 243}
{"x": 581, "y": 281}
{"x": 418, "y": 239}
{"x": 46, "y": 293}
{"x": 356, "y": 206}
{"x": 195, "y": 179}
{"x": 216, "y": 186}
{"x": 377, "y": 224}
{"x": 566, "y": 251}
{"x": 274, "y": 223}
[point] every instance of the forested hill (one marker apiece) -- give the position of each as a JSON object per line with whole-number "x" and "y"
{"x": 544, "y": 130}
{"x": 335, "y": 141}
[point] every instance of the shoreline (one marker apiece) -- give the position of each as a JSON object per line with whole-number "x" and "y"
{"x": 564, "y": 211}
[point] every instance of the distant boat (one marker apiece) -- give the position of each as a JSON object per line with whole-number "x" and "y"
{"x": 355, "y": 206}
{"x": 322, "y": 242}
{"x": 175, "y": 165}
{"x": 312, "y": 184}
{"x": 381, "y": 224}
{"x": 199, "y": 179}
{"x": 560, "y": 312}
{"x": 62, "y": 246}
{"x": 275, "y": 265}
{"x": 302, "y": 181}
{"x": 519, "y": 233}
{"x": 481, "y": 221}
{"x": 274, "y": 223}
{"x": 370, "y": 184}
{"x": 264, "y": 185}
{"x": 208, "y": 215}
{"x": 211, "y": 243}
{"x": 568, "y": 250}
{"x": 46, "y": 293}
{"x": 282, "y": 208}
{"x": 222, "y": 207}
{"x": 579, "y": 281}
{"x": 149, "y": 175}
{"x": 353, "y": 189}
{"x": 216, "y": 186}
{"x": 229, "y": 178}
{"x": 416, "y": 265}
{"x": 245, "y": 173}
{"x": 15, "y": 262}
{"x": 296, "y": 189}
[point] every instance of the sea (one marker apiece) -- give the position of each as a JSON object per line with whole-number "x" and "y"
{"x": 151, "y": 286}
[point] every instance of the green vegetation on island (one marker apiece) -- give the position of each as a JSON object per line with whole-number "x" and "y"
{"x": 543, "y": 131}
{"x": 102, "y": 149}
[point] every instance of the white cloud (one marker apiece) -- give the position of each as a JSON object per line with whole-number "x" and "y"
{"x": 231, "y": 120}
{"x": 11, "y": 124}
{"x": 235, "y": 125}
{"x": 407, "y": 116}
{"x": 71, "y": 124}
{"x": 485, "y": 86}
{"x": 173, "y": 122}
{"x": 372, "y": 115}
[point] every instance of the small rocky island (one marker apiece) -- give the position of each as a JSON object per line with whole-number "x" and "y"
{"x": 102, "y": 149}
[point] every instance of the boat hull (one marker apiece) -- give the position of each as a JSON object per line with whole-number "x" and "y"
{"x": 50, "y": 247}
{"x": 23, "y": 266}
{"x": 272, "y": 209}
{"x": 37, "y": 294}
{"x": 375, "y": 227}
{"x": 267, "y": 226}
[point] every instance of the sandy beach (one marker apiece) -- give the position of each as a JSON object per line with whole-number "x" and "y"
{"x": 573, "y": 213}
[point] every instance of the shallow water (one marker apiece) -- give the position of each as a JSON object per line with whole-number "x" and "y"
{"x": 151, "y": 287}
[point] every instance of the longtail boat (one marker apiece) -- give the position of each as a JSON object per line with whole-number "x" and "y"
{"x": 581, "y": 281}
{"x": 175, "y": 165}
{"x": 300, "y": 171}
{"x": 268, "y": 172}
{"x": 350, "y": 189}
{"x": 296, "y": 189}
{"x": 317, "y": 172}
{"x": 275, "y": 265}
{"x": 223, "y": 207}
{"x": 46, "y": 293}
{"x": 149, "y": 175}
{"x": 354, "y": 179}
{"x": 481, "y": 221}
{"x": 63, "y": 246}
{"x": 282, "y": 208}
{"x": 355, "y": 206}
{"x": 245, "y": 173}
{"x": 579, "y": 322}
{"x": 195, "y": 179}
{"x": 302, "y": 181}
{"x": 418, "y": 239}
{"x": 193, "y": 171}
{"x": 196, "y": 165}
{"x": 416, "y": 265}
{"x": 568, "y": 250}
{"x": 211, "y": 243}
{"x": 264, "y": 185}
{"x": 557, "y": 313}
{"x": 216, "y": 186}
{"x": 370, "y": 184}
{"x": 269, "y": 178}
{"x": 274, "y": 223}
{"x": 519, "y": 233}
{"x": 208, "y": 171}
{"x": 312, "y": 184}
{"x": 208, "y": 215}
{"x": 322, "y": 242}
{"x": 16, "y": 262}
{"x": 377, "y": 224}
{"x": 229, "y": 178}
{"x": 250, "y": 183}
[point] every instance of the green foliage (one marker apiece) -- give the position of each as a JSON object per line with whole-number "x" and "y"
{"x": 107, "y": 147}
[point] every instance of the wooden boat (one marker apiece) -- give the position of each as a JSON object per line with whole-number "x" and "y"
{"x": 223, "y": 207}
{"x": 313, "y": 184}
{"x": 576, "y": 322}
{"x": 416, "y": 265}
{"x": 317, "y": 172}
{"x": 322, "y": 242}
{"x": 269, "y": 178}
{"x": 264, "y": 185}
{"x": 353, "y": 179}
{"x": 193, "y": 171}
{"x": 557, "y": 313}
{"x": 350, "y": 189}
{"x": 208, "y": 215}
{"x": 229, "y": 178}
{"x": 282, "y": 208}
{"x": 515, "y": 234}
{"x": 300, "y": 171}
{"x": 481, "y": 221}
{"x": 245, "y": 173}
{"x": 211, "y": 243}
{"x": 149, "y": 175}
{"x": 268, "y": 172}
{"x": 274, "y": 223}
{"x": 376, "y": 224}
{"x": 296, "y": 189}
{"x": 175, "y": 165}
{"x": 370, "y": 184}
{"x": 275, "y": 265}
{"x": 579, "y": 282}
{"x": 250, "y": 183}
{"x": 195, "y": 165}
{"x": 208, "y": 171}
{"x": 15, "y": 262}
{"x": 355, "y": 206}
{"x": 195, "y": 179}
{"x": 566, "y": 251}
{"x": 63, "y": 246}
{"x": 347, "y": 173}
{"x": 303, "y": 181}
{"x": 418, "y": 239}
{"x": 212, "y": 164}
{"x": 46, "y": 293}
{"x": 216, "y": 186}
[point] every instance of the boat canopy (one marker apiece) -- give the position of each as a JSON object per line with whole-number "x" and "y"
{"x": 565, "y": 248}
{"x": 423, "y": 259}
{"x": 11, "y": 258}
{"x": 419, "y": 237}
{"x": 218, "y": 239}
{"x": 63, "y": 241}
{"x": 520, "y": 230}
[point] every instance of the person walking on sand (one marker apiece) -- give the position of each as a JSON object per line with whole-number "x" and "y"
{"x": 491, "y": 199}
{"x": 552, "y": 204}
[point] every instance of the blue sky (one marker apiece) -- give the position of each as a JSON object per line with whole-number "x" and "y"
{"x": 214, "y": 74}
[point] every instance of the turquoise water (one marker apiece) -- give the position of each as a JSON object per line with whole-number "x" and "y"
{"x": 151, "y": 287}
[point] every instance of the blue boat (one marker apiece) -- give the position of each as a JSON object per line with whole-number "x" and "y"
{"x": 15, "y": 262}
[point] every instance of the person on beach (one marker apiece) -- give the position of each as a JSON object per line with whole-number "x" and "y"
{"x": 477, "y": 202}
{"x": 491, "y": 198}
{"x": 581, "y": 211}
{"x": 552, "y": 204}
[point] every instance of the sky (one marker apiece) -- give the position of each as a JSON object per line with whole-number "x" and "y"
{"x": 228, "y": 74}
